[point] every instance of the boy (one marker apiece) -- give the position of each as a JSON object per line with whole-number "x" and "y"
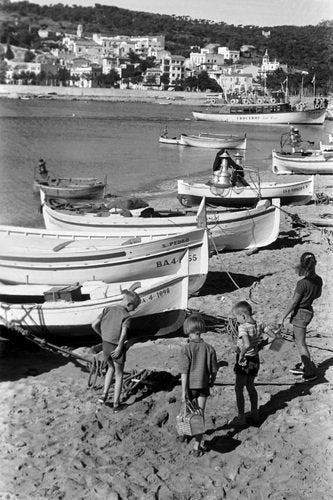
{"x": 112, "y": 325}
{"x": 247, "y": 362}
{"x": 198, "y": 368}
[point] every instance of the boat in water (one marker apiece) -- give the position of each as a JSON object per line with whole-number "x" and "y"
{"x": 227, "y": 230}
{"x": 36, "y": 256}
{"x": 263, "y": 113}
{"x": 207, "y": 140}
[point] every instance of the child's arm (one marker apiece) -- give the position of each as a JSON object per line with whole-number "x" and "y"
{"x": 296, "y": 300}
{"x": 213, "y": 369}
{"x": 122, "y": 339}
{"x": 184, "y": 386}
{"x": 245, "y": 345}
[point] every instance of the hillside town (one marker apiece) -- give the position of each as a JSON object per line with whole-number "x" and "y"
{"x": 87, "y": 60}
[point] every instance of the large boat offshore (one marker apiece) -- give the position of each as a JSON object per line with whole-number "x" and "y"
{"x": 257, "y": 113}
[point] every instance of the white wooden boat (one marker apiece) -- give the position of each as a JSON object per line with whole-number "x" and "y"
{"x": 327, "y": 148}
{"x": 233, "y": 230}
{"x": 310, "y": 162}
{"x": 70, "y": 187}
{"x": 35, "y": 256}
{"x": 266, "y": 113}
{"x": 296, "y": 193}
{"x": 161, "y": 312}
{"x": 323, "y": 220}
{"x": 170, "y": 140}
{"x": 214, "y": 141}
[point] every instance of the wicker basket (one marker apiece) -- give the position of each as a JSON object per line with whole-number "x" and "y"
{"x": 190, "y": 421}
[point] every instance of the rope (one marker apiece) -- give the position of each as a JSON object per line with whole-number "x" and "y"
{"x": 219, "y": 257}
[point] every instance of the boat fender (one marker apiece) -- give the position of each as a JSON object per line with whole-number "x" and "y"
{"x": 273, "y": 101}
{"x": 246, "y": 101}
{"x": 237, "y": 101}
{"x": 212, "y": 101}
{"x": 233, "y": 101}
{"x": 259, "y": 101}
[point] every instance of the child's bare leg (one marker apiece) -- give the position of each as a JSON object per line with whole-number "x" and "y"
{"x": 253, "y": 395}
{"x": 239, "y": 389}
{"x": 201, "y": 400}
{"x": 108, "y": 377}
{"x": 119, "y": 372}
{"x": 300, "y": 341}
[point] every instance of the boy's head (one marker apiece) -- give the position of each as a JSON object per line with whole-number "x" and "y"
{"x": 131, "y": 300}
{"x": 242, "y": 311}
{"x": 194, "y": 325}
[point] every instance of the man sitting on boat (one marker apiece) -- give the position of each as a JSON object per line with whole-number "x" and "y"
{"x": 237, "y": 177}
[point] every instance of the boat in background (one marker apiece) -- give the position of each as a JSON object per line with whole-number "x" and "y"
{"x": 309, "y": 162}
{"x": 170, "y": 140}
{"x": 291, "y": 193}
{"x": 161, "y": 312}
{"x": 214, "y": 141}
{"x": 35, "y": 256}
{"x": 263, "y": 113}
{"x": 327, "y": 148}
{"x": 230, "y": 230}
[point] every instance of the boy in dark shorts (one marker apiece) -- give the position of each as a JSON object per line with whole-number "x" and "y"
{"x": 112, "y": 326}
{"x": 247, "y": 362}
{"x": 198, "y": 368}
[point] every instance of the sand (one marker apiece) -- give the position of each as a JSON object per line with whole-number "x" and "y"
{"x": 53, "y": 444}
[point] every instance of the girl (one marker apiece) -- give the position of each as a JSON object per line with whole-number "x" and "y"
{"x": 307, "y": 290}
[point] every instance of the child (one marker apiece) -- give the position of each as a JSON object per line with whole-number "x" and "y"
{"x": 198, "y": 368}
{"x": 247, "y": 362}
{"x": 307, "y": 290}
{"x": 112, "y": 325}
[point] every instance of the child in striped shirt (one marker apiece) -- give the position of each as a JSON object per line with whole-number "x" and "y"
{"x": 247, "y": 362}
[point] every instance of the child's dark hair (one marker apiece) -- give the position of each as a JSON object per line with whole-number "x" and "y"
{"x": 307, "y": 264}
{"x": 243, "y": 307}
{"x": 194, "y": 324}
{"x": 133, "y": 298}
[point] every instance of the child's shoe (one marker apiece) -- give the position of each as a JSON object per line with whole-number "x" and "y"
{"x": 254, "y": 417}
{"x": 238, "y": 421}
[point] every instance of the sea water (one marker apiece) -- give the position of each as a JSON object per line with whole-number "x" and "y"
{"x": 117, "y": 140}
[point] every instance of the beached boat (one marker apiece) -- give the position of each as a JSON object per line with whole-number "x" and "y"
{"x": 71, "y": 187}
{"x": 323, "y": 220}
{"x": 298, "y": 162}
{"x": 214, "y": 141}
{"x": 266, "y": 113}
{"x": 161, "y": 312}
{"x": 230, "y": 230}
{"x": 295, "y": 193}
{"x": 35, "y": 256}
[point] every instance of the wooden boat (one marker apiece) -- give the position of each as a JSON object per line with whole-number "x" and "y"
{"x": 327, "y": 148}
{"x": 70, "y": 187}
{"x": 266, "y": 113}
{"x": 170, "y": 140}
{"x": 35, "y": 256}
{"x": 308, "y": 162}
{"x": 233, "y": 230}
{"x": 161, "y": 312}
{"x": 323, "y": 220}
{"x": 214, "y": 141}
{"x": 296, "y": 193}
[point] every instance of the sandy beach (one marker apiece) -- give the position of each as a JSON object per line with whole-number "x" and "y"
{"x": 54, "y": 445}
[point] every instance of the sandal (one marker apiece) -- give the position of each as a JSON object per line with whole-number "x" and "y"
{"x": 102, "y": 399}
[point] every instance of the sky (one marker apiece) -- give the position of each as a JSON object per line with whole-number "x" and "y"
{"x": 256, "y": 12}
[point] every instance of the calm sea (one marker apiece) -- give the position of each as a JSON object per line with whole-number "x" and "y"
{"x": 120, "y": 140}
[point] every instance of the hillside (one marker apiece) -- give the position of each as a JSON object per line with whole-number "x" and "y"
{"x": 305, "y": 47}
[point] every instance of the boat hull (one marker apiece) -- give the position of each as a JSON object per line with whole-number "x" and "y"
{"x": 306, "y": 117}
{"x": 296, "y": 193}
{"x": 27, "y": 256}
{"x": 161, "y": 312}
{"x": 239, "y": 230}
{"x": 316, "y": 163}
{"x": 203, "y": 141}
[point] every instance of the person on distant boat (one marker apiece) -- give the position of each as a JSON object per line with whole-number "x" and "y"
{"x": 112, "y": 325}
{"x": 42, "y": 168}
{"x": 165, "y": 132}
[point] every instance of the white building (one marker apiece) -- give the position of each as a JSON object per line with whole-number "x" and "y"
{"x": 229, "y": 54}
{"x": 174, "y": 67}
{"x": 268, "y": 65}
{"x": 205, "y": 60}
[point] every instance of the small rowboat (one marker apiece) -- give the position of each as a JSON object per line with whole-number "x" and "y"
{"x": 70, "y": 187}
{"x": 37, "y": 256}
{"x": 214, "y": 141}
{"x": 295, "y": 193}
{"x": 309, "y": 162}
{"x": 169, "y": 140}
{"x": 161, "y": 312}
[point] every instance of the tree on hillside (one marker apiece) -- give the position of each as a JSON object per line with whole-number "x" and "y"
{"x": 9, "y": 54}
{"x": 29, "y": 56}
